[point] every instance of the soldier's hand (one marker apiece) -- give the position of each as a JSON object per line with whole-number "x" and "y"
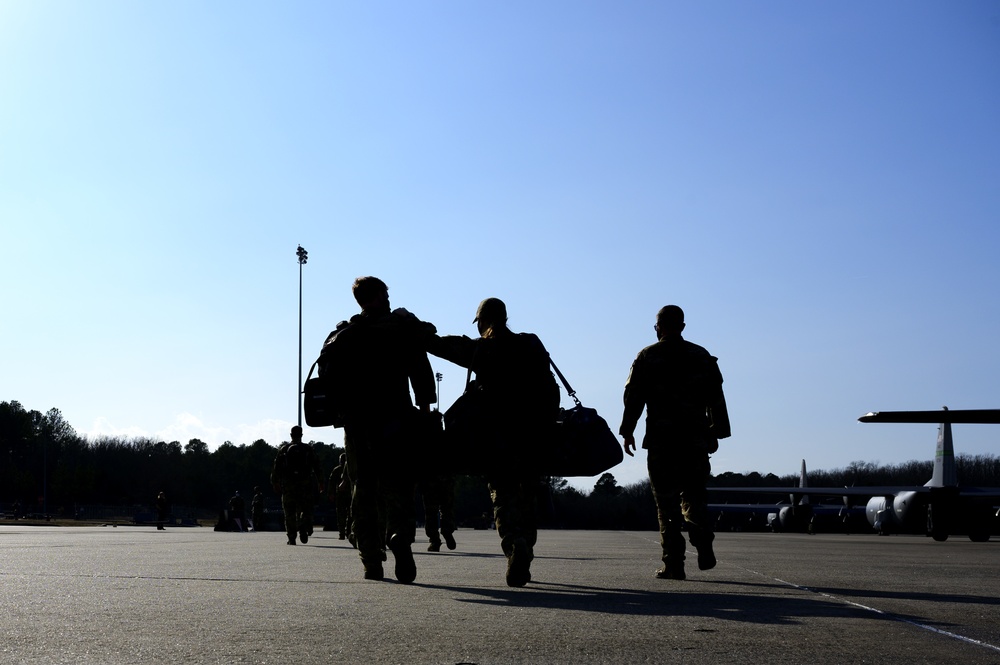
{"x": 629, "y": 445}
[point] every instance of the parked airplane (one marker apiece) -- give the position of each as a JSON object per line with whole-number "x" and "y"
{"x": 940, "y": 506}
{"x": 796, "y": 513}
{"x": 803, "y": 515}
{"x": 948, "y": 508}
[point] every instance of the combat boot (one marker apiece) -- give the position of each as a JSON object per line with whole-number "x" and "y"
{"x": 373, "y": 571}
{"x": 671, "y": 573}
{"x": 304, "y": 537}
{"x": 706, "y": 557}
{"x": 702, "y": 542}
{"x": 673, "y": 569}
{"x": 518, "y": 564}
{"x": 449, "y": 540}
{"x": 435, "y": 546}
{"x": 406, "y": 567}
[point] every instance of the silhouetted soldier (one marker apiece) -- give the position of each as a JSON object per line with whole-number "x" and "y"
{"x": 297, "y": 475}
{"x": 339, "y": 489}
{"x": 238, "y": 511}
{"x": 257, "y": 509}
{"x": 386, "y": 357}
{"x": 438, "y": 492}
{"x": 680, "y": 386}
{"x": 521, "y": 402}
{"x": 162, "y": 508}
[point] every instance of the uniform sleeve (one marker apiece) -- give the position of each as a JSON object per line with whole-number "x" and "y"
{"x": 634, "y": 398}
{"x": 276, "y": 470}
{"x": 718, "y": 412}
{"x": 457, "y": 349}
{"x": 422, "y": 379}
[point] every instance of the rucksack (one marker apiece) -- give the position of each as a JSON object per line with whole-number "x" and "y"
{"x": 297, "y": 461}
{"x": 325, "y": 395}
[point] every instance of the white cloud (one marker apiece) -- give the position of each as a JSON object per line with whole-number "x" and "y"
{"x": 103, "y": 427}
{"x": 187, "y": 426}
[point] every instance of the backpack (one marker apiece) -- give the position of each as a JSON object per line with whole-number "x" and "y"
{"x": 298, "y": 462}
{"x": 325, "y": 395}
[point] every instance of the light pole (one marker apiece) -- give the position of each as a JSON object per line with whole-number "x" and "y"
{"x": 439, "y": 376}
{"x": 303, "y": 256}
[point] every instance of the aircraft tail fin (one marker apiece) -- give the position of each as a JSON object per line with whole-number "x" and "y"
{"x": 804, "y": 499}
{"x": 944, "y": 458}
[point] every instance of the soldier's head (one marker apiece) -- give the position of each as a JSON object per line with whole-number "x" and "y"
{"x": 669, "y": 321}
{"x": 371, "y": 293}
{"x": 296, "y": 433}
{"x": 491, "y": 317}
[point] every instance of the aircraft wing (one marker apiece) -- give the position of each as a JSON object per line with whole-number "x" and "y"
{"x": 746, "y": 507}
{"x": 972, "y": 416}
{"x": 885, "y": 490}
{"x": 821, "y": 491}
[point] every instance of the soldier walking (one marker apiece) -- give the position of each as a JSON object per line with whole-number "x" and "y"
{"x": 297, "y": 476}
{"x": 680, "y": 386}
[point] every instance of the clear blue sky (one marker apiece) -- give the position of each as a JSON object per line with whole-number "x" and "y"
{"x": 816, "y": 184}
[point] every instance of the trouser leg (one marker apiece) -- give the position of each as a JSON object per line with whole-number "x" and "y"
{"x": 514, "y": 511}
{"x": 666, "y": 493}
{"x": 364, "y": 499}
{"x": 694, "y": 507}
{"x": 431, "y": 517}
{"x": 398, "y": 488}
{"x": 290, "y": 507}
{"x": 448, "y": 505}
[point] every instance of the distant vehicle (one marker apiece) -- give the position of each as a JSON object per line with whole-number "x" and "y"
{"x": 939, "y": 508}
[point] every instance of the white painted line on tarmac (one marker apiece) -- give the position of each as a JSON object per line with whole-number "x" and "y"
{"x": 890, "y": 615}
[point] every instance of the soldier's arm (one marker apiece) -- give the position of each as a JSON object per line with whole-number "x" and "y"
{"x": 275, "y": 482}
{"x": 634, "y": 399}
{"x": 422, "y": 380}
{"x": 457, "y": 349}
{"x": 718, "y": 413}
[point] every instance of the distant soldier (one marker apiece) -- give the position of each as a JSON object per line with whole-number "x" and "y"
{"x": 296, "y": 476}
{"x": 238, "y": 511}
{"x": 257, "y": 509}
{"x": 438, "y": 492}
{"x": 680, "y": 386}
{"x": 339, "y": 488}
{"x": 162, "y": 508}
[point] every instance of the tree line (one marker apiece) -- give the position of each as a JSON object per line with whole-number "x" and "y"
{"x": 50, "y": 469}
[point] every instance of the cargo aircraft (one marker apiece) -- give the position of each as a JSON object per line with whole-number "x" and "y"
{"x": 795, "y": 513}
{"x": 940, "y": 507}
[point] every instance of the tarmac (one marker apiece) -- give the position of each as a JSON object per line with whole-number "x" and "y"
{"x": 117, "y": 595}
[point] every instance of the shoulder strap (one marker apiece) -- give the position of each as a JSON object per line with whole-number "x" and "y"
{"x": 468, "y": 374}
{"x": 569, "y": 388}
